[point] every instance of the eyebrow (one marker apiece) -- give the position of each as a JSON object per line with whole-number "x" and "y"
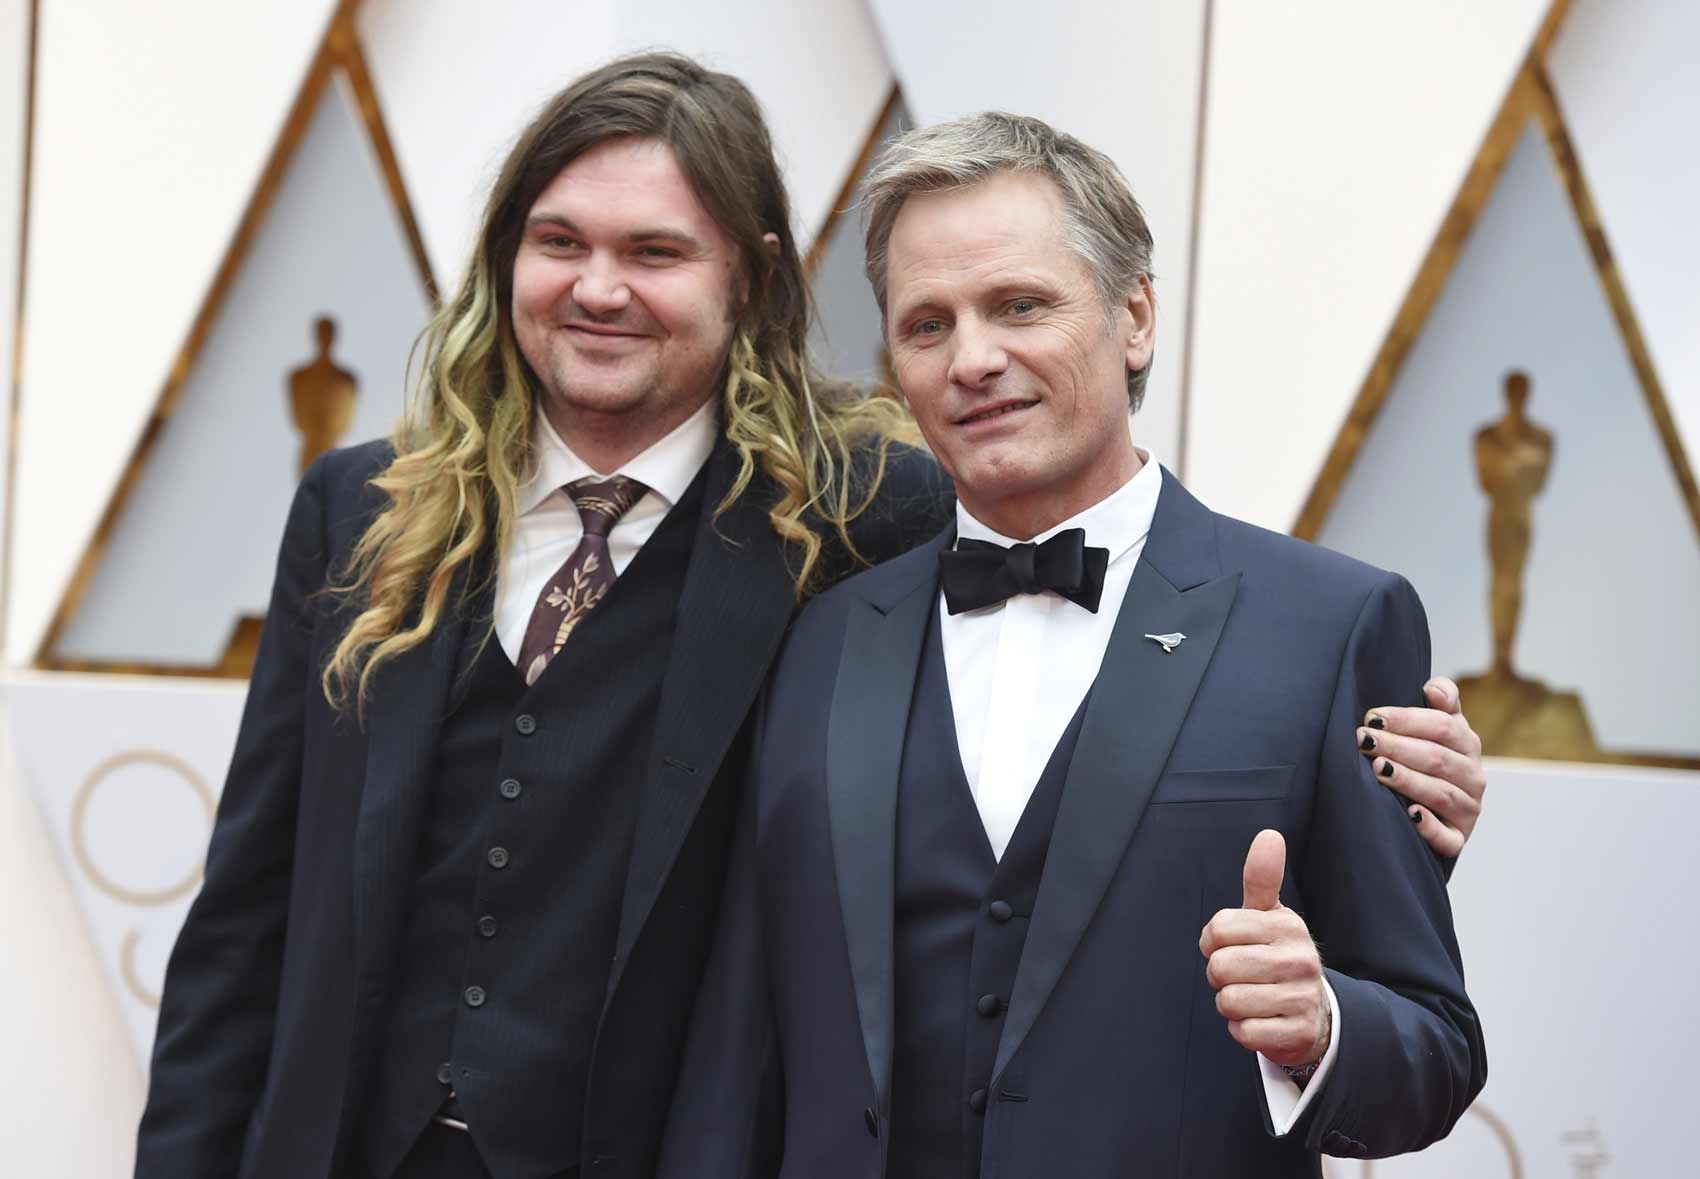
{"x": 1004, "y": 288}
{"x": 657, "y": 234}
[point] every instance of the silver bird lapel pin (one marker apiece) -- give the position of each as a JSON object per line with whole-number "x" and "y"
{"x": 1169, "y": 641}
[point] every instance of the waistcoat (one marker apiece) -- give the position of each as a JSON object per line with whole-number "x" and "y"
{"x": 960, "y": 924}
{"x": 519, "y": 875}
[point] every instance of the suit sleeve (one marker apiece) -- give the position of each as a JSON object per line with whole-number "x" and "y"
{"x": 726, "y": 1121}
{"x": 1411, "y": 1057}
{"x": 221, "y": 984}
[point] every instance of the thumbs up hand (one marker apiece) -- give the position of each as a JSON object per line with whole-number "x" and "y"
{"x": 1265, "y": 968}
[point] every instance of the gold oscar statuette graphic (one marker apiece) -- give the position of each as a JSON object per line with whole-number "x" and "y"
{"x": 321, "y": 401}
{"x": 141, "y": 898}
{"x": 321, "y": 397}
{"x": 1516, "y": 716}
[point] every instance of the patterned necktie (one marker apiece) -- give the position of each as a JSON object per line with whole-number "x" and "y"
{"x": 587, "y": 576}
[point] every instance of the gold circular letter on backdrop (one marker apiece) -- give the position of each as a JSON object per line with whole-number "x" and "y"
{"x": 79, "y": 815}
{"x": 127, "y": 967}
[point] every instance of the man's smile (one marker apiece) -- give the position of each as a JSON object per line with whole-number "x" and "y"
{"x": 997, "y": 410}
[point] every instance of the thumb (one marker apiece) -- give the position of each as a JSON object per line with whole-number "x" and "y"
{"x": 1265, "y": 864}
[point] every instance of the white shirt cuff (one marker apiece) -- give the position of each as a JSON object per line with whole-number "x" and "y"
{"x": 1287, "y": 1102}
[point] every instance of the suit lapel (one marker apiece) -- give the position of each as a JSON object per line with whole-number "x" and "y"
{"x": 405, "y": 716}
{"x": 1138, "y": 704}
{"x": 737, "y": 599}
{"x": 865, "y": 732}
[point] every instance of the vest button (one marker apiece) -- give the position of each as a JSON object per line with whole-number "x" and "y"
{"x": 977, "y": 1101}
{"x": 871, "y": 1119}
{"x": 475, "y": 998}
{"x": 498, "y": 857}
{"x": 526, "y": 724}
{"x": 1000, "y": 911}
{"x": 487, "y": 926}
{"x": 988, "y": 1005}
{"x": 510, "y": 788}
{"x": 445, "y": 1074}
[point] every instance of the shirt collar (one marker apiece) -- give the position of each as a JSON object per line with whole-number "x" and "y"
{"x": 1117, "y": 522}
{"x": 666, "y": 467}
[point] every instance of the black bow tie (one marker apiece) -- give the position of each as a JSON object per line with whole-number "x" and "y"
{"x": 979, "y": 573}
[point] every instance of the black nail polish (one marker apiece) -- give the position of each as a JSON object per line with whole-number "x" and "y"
{"x": 1386, "y": 770}
{"x": 1416, "y": 817}
{"x": 1375, "y": 722}
{"x": 1367, "y": 744}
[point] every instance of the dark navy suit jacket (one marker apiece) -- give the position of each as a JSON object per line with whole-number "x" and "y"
{"x": 276, "y": 991}
{"x": 1113, "y": 1058}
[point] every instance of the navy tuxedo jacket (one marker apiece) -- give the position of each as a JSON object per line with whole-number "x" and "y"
{"x": 276, "y": 990}
{"x": 1113, "y": 1059}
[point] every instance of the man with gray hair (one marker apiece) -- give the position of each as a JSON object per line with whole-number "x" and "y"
{"x": 1000, "y": 782}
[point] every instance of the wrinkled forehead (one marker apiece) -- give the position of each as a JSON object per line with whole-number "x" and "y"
{"x": 1008, "y": 206}
{"x": 988, "y": 233}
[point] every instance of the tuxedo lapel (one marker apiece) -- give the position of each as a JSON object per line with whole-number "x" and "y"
{"x": 409, "y": 699}
{"x": 737, "y": 598}
{"x": 881, "y": 656}
{"x": 1137, "y": 706}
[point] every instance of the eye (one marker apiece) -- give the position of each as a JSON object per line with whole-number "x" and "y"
{"x": 927, "y": 327}
{"x": 1023, "y": 306}
{"x": 558, "y": 243}
{"x": 658, "y": 254}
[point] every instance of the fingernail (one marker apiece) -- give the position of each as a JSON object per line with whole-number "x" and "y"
{"x": 1417, "y": 817}
{"x": 1368, "y": 743}
{"x": 1375, "y": 722}
{"x": 1386, "y": 770}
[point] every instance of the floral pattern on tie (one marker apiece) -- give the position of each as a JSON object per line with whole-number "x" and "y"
{"x": 577, "y": 587}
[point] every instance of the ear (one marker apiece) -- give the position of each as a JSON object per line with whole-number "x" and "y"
{"x": 772, "y": 249}
{"x": 1140, "y": 324}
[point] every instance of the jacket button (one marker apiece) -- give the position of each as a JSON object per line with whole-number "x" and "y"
{"x": 872, "y": 1121}
{"x": 988, "y": 1005}
{"x": 526, "y": 724}
{"x": 474, "y": 996}
{"x": 1000, "y": 911}
{"x": 977, "y": 1101}
{"x": 498, "y": 857}
{"x": 510, "y": 787}
{"x": 487, "y": 926}
{"x": 445, "y": 1074}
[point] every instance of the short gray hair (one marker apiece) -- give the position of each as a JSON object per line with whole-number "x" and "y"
{"x": 1102, "y": 223}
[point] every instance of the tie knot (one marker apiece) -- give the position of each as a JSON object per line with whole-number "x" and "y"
{"x": 978, "y": 573}
{"x": 1021, "y": 560}
{"x": 601, "y": 502}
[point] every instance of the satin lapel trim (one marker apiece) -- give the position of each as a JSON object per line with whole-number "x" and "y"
{"x": 404, "y": 720}
{"x": 864, "y": 754}
{"x": 737, "y": 599}
{"x": 1139, "y": 702}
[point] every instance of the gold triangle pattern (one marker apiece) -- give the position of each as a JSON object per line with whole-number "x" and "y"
{"x": 338, "y": 51}
{"x": 1530, "y": 98}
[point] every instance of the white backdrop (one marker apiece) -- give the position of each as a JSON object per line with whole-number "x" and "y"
{"x": 1334, "y": 138}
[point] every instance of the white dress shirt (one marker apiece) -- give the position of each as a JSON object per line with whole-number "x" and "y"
{"x": 1018, "y": 672}
{"x": 548, "y": 528}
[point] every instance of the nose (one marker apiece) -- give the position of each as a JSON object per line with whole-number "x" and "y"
{"x": 600, "y": 290}
{"x": 976, "y": 356}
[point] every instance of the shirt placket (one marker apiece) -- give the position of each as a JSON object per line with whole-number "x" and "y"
{"x": 1005, "y": 780}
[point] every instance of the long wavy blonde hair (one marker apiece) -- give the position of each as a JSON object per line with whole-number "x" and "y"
{"x": 464, "y": 448}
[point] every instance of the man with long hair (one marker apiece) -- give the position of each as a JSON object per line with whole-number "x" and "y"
{"x": 469, "y": 854}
